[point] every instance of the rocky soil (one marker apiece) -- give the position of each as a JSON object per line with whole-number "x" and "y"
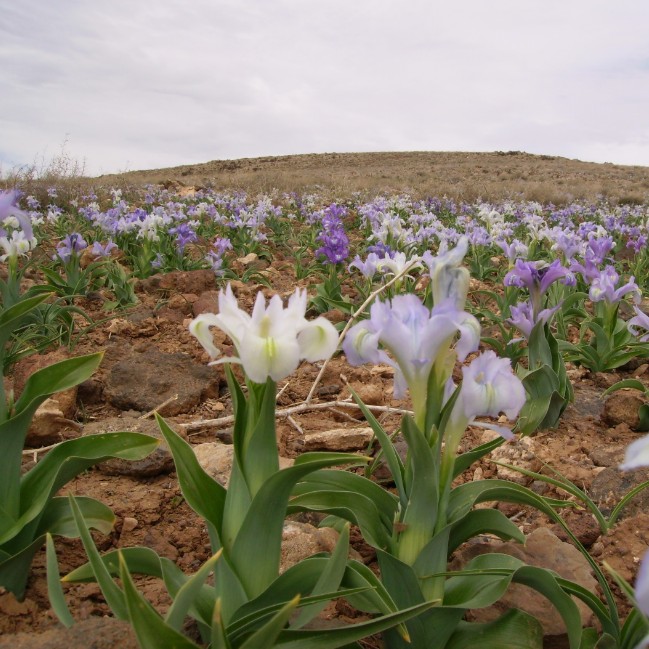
{"x": 152, "y": 362}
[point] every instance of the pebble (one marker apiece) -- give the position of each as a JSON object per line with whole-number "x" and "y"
{"x": 129, "y": 524}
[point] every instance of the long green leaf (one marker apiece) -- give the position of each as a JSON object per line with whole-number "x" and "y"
{"x": 513, "y": 630}
{"x": 342, "y": 636}
{"x": 54, "y": 588}
{"x": 391, "y": 456}
{"x": 58, "y": 519}
{"x": 111, "y": 591}
{"x": 329, "y": 579}
{"x": 65, "y": 462}
{"x": 187, "y": 594}
{"x": 150, "y": 629}
{"x": 56, "y": 378}
{"x": 265, "y": 519}
{"x": 267, "y": 635}
{"x": 202, "y": 493}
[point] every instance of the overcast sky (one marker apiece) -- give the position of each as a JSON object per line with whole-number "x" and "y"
{"x": 129, "y": 84}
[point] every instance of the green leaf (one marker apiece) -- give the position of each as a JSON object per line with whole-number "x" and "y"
{"x": 54, "y": 588}
{"x": 202, "y": 493}
{"x": 328, "y": 581}
{"x": 58, "y": 518}
{"x": 465, "y": 460}
{"x": 483, "y": 521}
{"x": 150, "y": 629}
{"x": 420, "y": 516}
{"x": 10, "y": 318}
{"x": 391, "y": 456}
{"x": 265, "y": 519}
{"x": 112, "y": 593}
{"x": 65, "y": 462}
{"x": 56, "y": 378}
{"x": 267, "y": 635}
{"x": 513, "y": 630}
{"x": 342, "y": 636}
{"x": 138, "y": 559}
{"x": 14, "y": 568}
{"x": 188, "y": 593}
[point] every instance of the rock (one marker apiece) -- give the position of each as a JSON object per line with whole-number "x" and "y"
{"x": 143, "y": 381}
{"x": 336, "y": 439}
{"x": 542, "y": 549}
{"x": 611, "y": 484}
{"x": 182, "y": 302}
{"x": 53, "y": 420}
{"x": 301, "y": 540}
{"x": 251, "y": 260}
{"x": 158, "y": 462}
{"x": 371, "y": 394}
{"x": 612, "y": 455}
{"x": 207, "y": 302}
{"x": 95, "y": 632}
{"x": 622, "y": 408}
{"x": 520, "y": 452}
{"x": 129, "y": 524}
{"x": 179, "y": 281}
{"x": 216, "y": 460}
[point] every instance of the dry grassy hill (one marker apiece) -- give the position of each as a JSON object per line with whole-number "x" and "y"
{"x": 489, "y": 176}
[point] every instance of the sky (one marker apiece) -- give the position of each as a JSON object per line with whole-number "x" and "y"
{"x": 121, "y": 85}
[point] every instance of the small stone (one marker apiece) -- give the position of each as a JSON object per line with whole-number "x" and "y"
{"x": 129, "y": 524}
{"x": 336, "y": 439}
{"x": 622, "y": 408}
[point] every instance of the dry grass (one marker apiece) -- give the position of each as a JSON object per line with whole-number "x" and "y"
{"x": 466, "y": 176}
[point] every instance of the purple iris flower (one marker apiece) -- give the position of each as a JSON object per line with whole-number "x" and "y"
{"x": 524, "y": 319}
{"x": 184, "y": 235}
{"x": 639, "y": 320}
{"x": 367, "y": 268}
{"x": 603, "y": 287}
{"x": 414, "y": 336}
{"x": 515, "y": 249}
{"x": 103, "y": 251}
{"x": 538, "y": 276}
{"x": 71, "y": 245}
{"x": 334, "y": 240}
{"x": 598, "y": 248}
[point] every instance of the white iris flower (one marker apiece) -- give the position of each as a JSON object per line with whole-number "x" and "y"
{"x": 273, "y": 340}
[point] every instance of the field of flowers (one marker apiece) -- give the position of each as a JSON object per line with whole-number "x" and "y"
{"x": 490, "y": 358}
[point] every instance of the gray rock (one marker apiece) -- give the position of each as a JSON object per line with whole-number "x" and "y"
{"x": 301, "y": 540}
{"x": 146, "y": 379}
{"x": 543, "y": 549}
{"x": 156, "y": 463}
{"x": 611, "y": 484}
{"x": 622, "y": 408}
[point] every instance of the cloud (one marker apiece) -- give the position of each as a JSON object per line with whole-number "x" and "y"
{"x": 143, "y": 85}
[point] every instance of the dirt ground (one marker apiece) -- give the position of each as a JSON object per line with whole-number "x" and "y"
{"x": 585, "y": 448}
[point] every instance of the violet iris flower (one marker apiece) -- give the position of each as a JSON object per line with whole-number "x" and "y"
{"x": 71, "y": 245}
{"x": 367, "y": 268}
{"x": 524, "y": 319}
{"x": 639, "y": 320}
{"x": 489, "y": 387}
{"x": 415, "y": 337}
{"x": 103, "y": 251}
{"x": 603, "y": 287}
